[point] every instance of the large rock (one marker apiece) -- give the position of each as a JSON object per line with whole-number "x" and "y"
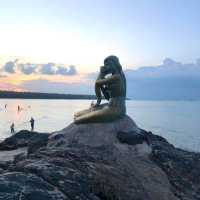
{"x": 94, "y": 134}
{"x": 119, "y": 171}
{"x": 102, "y": 161}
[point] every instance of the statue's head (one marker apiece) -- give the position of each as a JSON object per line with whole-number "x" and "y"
{"x": 112, "y": 64}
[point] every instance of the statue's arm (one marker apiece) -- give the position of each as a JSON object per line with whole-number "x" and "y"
{"x": 111, "y": 79}
{"x": 98, "y": 94}
{"x": 98, "y": 88}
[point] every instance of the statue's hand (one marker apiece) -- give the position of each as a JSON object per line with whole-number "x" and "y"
{"x": 97, "y": 103}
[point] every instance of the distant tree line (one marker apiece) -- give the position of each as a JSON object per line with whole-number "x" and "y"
{"x": 38, "y": 95}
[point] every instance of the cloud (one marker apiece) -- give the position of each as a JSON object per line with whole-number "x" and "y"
{"x": 43, "y": 85}
{"x": 198, "y": 62}
{"x": 10, "y": 87}
{"x": 48, "y": 69}
{"x": 53, "y": 69}
{"x": 92, "y": 75}
{"x": 169, "y": 81}
{"x": 3, "y": 76}
{"x": 70, "y": 71}
{"x": 12, "y": 67}
{"x": 27, "y": 68}
{"x": 170, "y": 62}
{"x": 169, "y": 67}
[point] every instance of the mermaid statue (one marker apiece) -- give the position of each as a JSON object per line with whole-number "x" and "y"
{"x": 111, "y": 86}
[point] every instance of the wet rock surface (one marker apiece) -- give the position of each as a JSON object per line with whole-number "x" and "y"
{"x": 106, "y": 161}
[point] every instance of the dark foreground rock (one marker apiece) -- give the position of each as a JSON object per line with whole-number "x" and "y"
{"x": 24, "y": 138}
{"x": 99, "y": 162}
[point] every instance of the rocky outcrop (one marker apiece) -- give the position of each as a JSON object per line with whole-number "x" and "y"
{"x": 180, "y": 166}
{"x": 24, "y": 138}
{"x": 104, "y": 161}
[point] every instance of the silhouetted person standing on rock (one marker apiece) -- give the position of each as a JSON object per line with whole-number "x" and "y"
{"x": 12, "y": 128}
{"x": 32, "y": 121}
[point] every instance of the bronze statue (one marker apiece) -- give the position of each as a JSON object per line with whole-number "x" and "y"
{"x": 111, "y": 83}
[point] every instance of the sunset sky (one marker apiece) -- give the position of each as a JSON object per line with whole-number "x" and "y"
{"x": 62, "y": 41}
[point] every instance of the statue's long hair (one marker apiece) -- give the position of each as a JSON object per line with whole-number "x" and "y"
{"x": 115, "y": 61}
{"x": 118, "y": 67}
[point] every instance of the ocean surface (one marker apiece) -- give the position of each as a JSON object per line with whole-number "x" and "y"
{"x": 177, "y": 121}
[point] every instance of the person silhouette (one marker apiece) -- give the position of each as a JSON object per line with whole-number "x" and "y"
{"x": 32, "y": 121}
{"x": 12, "y": 128}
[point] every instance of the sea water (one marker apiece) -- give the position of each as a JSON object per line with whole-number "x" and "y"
{"x": 177, "y": 121}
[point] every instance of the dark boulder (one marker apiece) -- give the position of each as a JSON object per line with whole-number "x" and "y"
{"x": 22, "y": 139}
{"x": 26, "y": 186}
{"x": 132, "y": 138}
